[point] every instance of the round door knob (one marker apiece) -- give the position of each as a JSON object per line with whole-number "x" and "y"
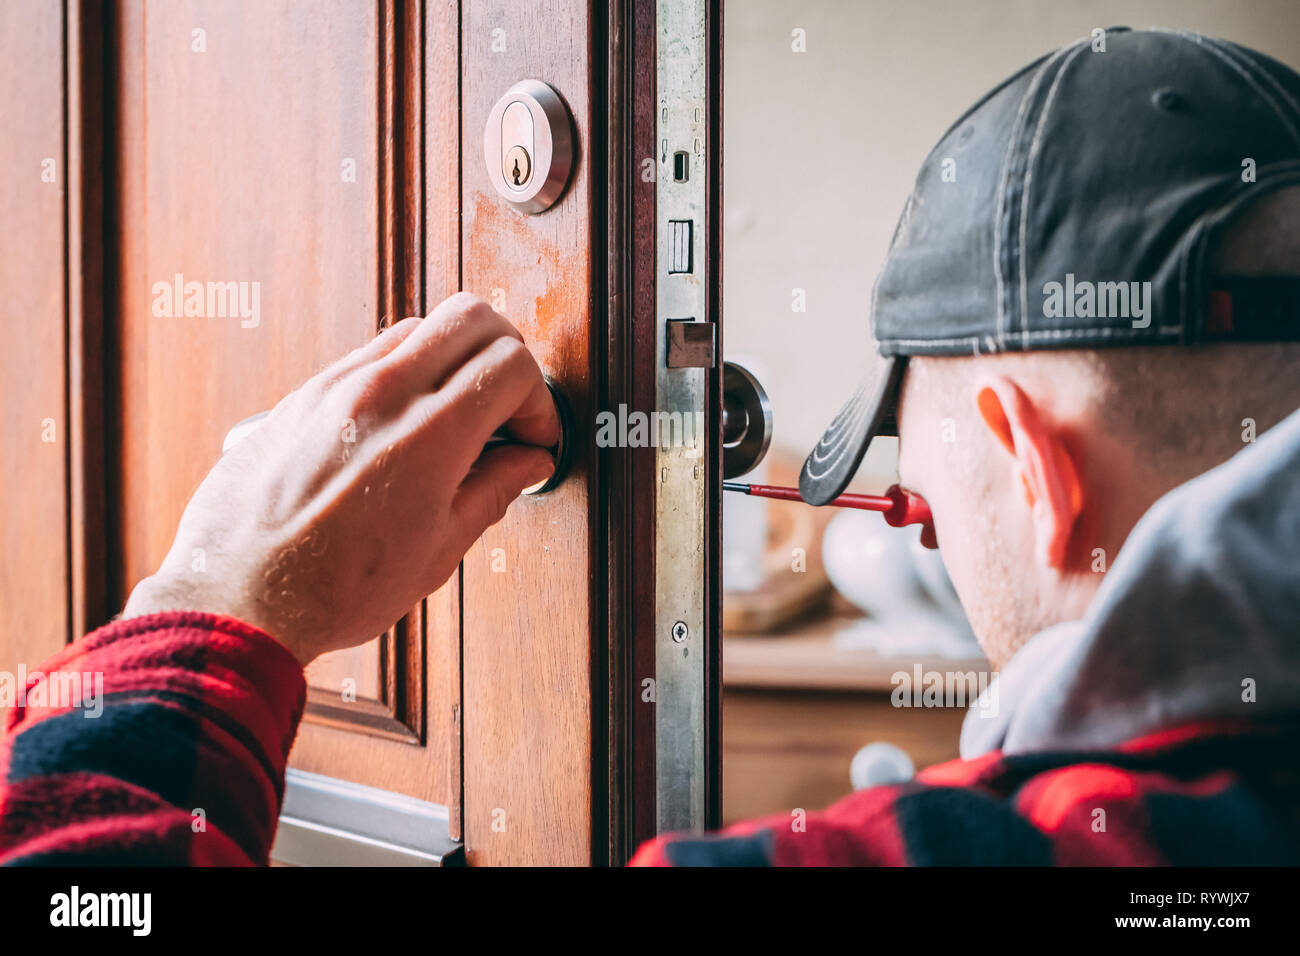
{"x": 563, "y": 450}
{"x": 746, "y": 421}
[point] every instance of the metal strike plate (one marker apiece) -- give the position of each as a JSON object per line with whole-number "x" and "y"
{"x": 692, "y": 344}
{"x": 682, "y": 640}
{"x": 528, "y": 146}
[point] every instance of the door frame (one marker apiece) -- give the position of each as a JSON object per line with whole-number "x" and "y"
{"x": 635, "y": 348}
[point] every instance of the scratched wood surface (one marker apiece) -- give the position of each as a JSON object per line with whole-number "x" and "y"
{"x": 33, "y": 477}
{"x": 527, "y": 641}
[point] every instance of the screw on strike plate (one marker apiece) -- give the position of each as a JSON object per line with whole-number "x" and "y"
{"x": 680, "y": 632}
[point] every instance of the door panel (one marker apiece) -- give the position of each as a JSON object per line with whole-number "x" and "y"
{"x": 276, "y": 148}
{"x": 33, "y": 462}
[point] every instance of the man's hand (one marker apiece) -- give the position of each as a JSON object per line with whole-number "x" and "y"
{"x": 361, "y": 491}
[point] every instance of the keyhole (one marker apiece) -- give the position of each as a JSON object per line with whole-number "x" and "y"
{"x": 517, "y": 167}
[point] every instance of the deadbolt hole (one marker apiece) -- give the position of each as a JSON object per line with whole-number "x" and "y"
{"x": 681, "y": 166}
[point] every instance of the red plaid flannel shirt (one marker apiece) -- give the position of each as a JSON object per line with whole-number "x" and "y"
{"x": 185, "y": 765}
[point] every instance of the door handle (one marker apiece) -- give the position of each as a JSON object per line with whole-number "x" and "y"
{"x": 746, "y": 421}
{"x": 562, "y": 451}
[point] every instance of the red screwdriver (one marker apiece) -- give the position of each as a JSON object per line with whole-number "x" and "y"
{"x": 899, "y": 506}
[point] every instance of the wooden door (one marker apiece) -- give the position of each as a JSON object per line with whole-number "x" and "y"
{"x": 277, "y": 149}
{"x": 315, "y": 170}
{"x": 33, "y": 362}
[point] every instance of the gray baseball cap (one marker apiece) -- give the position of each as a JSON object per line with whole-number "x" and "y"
{"x": 1073, "y": 206}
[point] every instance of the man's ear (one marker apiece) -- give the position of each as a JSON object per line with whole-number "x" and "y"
{"x": 1047, "y": 470}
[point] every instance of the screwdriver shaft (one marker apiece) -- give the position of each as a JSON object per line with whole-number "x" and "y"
{"x": 862, "y": 502}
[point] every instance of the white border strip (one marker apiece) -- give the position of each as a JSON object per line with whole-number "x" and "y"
{"x": 331, "y": 822}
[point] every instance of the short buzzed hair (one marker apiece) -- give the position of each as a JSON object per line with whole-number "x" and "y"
{"x": 1187, "y": 408}
{"x": 1196, "y": 406}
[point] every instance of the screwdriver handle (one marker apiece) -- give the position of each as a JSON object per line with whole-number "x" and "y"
{"x": 906, "y": 508}
{"x": 909, "y": 508}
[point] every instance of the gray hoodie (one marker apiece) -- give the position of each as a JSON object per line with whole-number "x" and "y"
{"x": 1199, "y": 617}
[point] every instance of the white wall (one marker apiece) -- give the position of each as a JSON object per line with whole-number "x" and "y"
{"x": 821, "y": 148}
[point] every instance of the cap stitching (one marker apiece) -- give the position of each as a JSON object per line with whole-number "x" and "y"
{"x": 1034, "y": 147}
{"x": 855, "y": 406}
{"x": 898, "y": 229}
{"x": 846, "y": 407}
{"x": 866, "y": 409}
{"x": 1241, "y": 71}
{"x": 1257, "y": 69}
{"x": 1098, "y": 332}
{"x": 843, "y": 433}
{"x": 833, "y": 453}
{"x": 1000, "y": 212}
{"x": 1199, "y": 231}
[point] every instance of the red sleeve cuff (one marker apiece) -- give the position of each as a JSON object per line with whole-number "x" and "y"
{"x": 228, "y": 664}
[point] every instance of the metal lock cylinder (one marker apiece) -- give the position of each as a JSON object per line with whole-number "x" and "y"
{"x": 528, "y": 146}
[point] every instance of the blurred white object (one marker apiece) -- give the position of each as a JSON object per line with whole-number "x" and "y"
{"x": 871, "y": 563}
{"x": 880, "y": 763}
{"x": 242, "y": 430}
{"x": 903, "y": 588}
